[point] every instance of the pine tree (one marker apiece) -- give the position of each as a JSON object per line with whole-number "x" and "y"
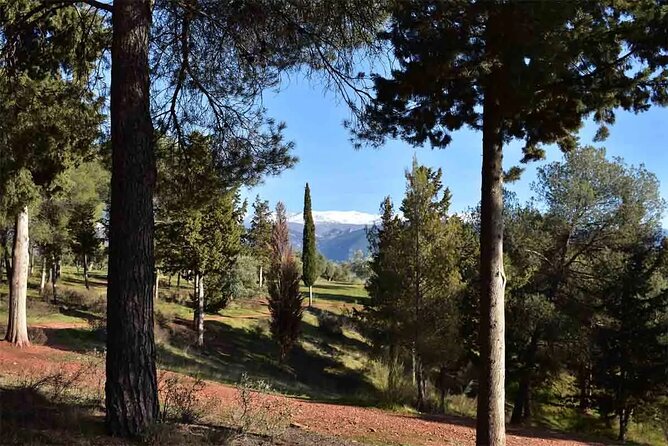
{"x": 285, "y": 300}
{"x": 259, "y": 236}
{"x": 309, "y": 253}
{"x": 631, "y": 353}
{"x": 513, "y": 70}
{"x": 384, "y": 314}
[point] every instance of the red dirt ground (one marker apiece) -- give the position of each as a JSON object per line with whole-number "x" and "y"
{"x": 347, "y": 422}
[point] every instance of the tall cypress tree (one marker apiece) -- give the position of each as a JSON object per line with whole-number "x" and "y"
{"x": 259, "y": 235}
{"x": 309, "y": 254}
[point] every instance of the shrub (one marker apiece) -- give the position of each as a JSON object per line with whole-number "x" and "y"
{"x": 330, "y": 323}
{"x": 257, "y": 412}
{"x": 180, "y": 399}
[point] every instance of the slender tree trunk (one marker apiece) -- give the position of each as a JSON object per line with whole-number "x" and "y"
{"x": 200, "y": 313}
{"x": 261, "y": 277}
{"x": 169, "y": 281}
{"x": 85, "y": 271}
{"x": 310, "y": 295}
{"x": 195, "y": 301}
{"x": 17, "y": 326}
{"x": 42, "y": 283}
{"x": 178, "y": 281}
{"x": 392, "y": 378}
{"x": 420, "y": 383}
{"x": 522, "y": 406}
{"x": 490, "y": 426}
{"x": 54, "y": 283}
{"x": 156, "y": 287}
{"x": 624, "y": 415}
{"x": 131, "y": 387}
{"x": 32, "y": 261}
{"x": 8, "y": 262}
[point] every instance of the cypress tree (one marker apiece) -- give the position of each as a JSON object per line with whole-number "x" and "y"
{"x": 309, "y": 254}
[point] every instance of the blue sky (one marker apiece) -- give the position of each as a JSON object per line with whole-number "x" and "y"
{"x": 342, "y": 178}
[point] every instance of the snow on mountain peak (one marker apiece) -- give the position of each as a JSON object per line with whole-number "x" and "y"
{"x": 339, "y": 217}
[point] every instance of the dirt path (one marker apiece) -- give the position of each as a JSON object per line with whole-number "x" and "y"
{"x": 354, "y": 424}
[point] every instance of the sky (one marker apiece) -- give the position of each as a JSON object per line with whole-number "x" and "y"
{"x": 343, "y": 178}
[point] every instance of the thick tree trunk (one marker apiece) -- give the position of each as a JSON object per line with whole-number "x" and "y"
{"x": 17, "y": 326}
{"x": 131, "y": 387}
{"x": 490, "y": 426}
{"x": 85, "y": 271}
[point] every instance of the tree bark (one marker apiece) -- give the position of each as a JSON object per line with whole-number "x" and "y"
{"x": 17, "y": 326}
{"x": 624, "y": 415}
{"x": 131, "y": 386}
{"x": 490, "y": 426}
{"x": 178, "y": 281}
{"x": 261, "y": 277}
{"x": 85, "y": 271}
{"x": 200, "y": 312}
{"x": 156, "y": 287}
{"x": 310, "y": 295}
{"x": 54, "y": 283}
{"x": 42, "y": 283}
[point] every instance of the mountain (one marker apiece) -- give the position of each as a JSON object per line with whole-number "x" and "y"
{"x": 338, "y": 233}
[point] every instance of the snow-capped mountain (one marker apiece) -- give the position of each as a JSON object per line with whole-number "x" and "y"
{"x": 338, "y": 233}
{"x": 337, "y": 217}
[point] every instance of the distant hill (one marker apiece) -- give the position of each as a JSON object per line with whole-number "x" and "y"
{"x": 338, "y": 233}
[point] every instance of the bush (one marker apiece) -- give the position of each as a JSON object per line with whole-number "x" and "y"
{"x": 180, "y": 399}
{"x": 330, "y": 323}
{"x": 257, "y": 412}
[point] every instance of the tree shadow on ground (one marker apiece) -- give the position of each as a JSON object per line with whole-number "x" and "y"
{"x": 29, "y": 417}
{"x": 336, "y": 298}
{"x": 230, "y": 351}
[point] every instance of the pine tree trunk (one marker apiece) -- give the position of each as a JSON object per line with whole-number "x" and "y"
{"x": 17, "y": 326}
{"x": 131, "y": 387}
{"x": 310, "y": 295}
{"x": 200, "y": 314}
{"x": 54, "y": 283}
{"x": 178, "y": 281}
{"x": 42, "y": 283}
{"x": 392, "y": 374}
{"x": 490, "y": 426}
{"x": 420, "y": 383}
{"x": 85, "y": 271}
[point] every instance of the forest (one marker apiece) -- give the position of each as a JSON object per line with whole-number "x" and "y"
{"x": 145, "y": 300}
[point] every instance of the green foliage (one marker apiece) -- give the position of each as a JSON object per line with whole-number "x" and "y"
{"x": 285, "y": 300}
{"x": 309, "y": 253}
{"x": 199, "y": 221}
{"x": 630, "y": 360}
{"x": 258, "y": 236}
{"x": 415, "y": 279}
{"x": 551, "y": 65}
